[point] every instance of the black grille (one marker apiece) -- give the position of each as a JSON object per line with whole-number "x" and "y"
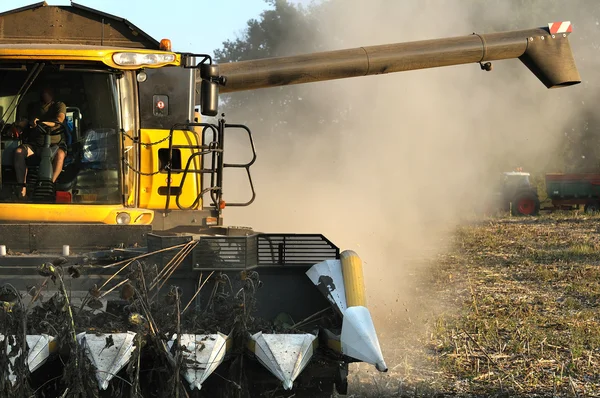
{"x": 225, "y": 252}
{"x": 292, "y": 249}
{"x": 262, "y": 250}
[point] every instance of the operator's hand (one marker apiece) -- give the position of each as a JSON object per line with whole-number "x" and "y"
{"x": 34, "y": 123}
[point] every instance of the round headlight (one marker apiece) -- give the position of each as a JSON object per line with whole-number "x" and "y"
{"x": 141, "y": 77}
{"x": 123, "y": 218}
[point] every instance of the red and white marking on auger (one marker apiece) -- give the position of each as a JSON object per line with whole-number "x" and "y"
{"x": 560, "y": 27}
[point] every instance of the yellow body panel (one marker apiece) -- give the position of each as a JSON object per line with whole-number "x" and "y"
{"x": 72, "y": 213}
{"x": 335, "y": 345}
{"x": 130, "y": 176}
{"x": 149, "y": 196}
{"x": 53, "y": 346}
{"x": 354, "y": 282}
{"x": 77, "y": 53}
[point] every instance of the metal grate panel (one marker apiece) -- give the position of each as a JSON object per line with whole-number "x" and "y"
{"x": 158, "y": 242}
{"x": 263, "y": 250}
{"x": 225, "y": 252}
{"x": 294, "y": 249}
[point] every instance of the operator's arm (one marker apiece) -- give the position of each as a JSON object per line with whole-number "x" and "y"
{"x": 61, "y": 114}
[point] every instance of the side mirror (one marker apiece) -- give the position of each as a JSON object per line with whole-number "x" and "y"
{"x": 209, "y": 89}
{"x": 209, "y": 98}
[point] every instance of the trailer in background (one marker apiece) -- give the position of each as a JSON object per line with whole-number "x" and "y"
{"x": 574, "y": 190}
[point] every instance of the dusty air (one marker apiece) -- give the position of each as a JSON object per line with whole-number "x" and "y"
{"x": 141, "y": 256}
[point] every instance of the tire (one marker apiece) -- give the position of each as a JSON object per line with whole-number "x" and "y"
{"x": 592, "y": 208}
{"x": 525, "y": 203}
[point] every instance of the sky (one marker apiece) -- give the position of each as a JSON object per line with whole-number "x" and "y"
{"x": 198, "y": 26}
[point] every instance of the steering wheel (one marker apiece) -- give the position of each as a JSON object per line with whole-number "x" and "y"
{"x": 45, "y": 130}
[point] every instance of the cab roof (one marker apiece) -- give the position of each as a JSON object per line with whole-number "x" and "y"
{"x": 516, "y": 173}
{"x": 76, "y": 25}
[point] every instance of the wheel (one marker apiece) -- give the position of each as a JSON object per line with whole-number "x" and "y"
{"x": 525, "y": 203}
{"x": 592, "y": 208}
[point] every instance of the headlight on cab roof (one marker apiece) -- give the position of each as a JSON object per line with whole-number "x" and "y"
{"x": 136, "y": 59}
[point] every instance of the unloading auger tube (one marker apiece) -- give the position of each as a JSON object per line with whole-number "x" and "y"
{"x": 545, "y": 51}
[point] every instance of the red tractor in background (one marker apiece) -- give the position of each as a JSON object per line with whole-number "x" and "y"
{"x": 515, "y": 193}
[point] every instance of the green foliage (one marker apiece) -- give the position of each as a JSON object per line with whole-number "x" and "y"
{"x": 266, "y": 37}
{"x": 283, "y": 29}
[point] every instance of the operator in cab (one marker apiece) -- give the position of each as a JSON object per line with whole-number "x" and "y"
{"x": 51, "y": 114}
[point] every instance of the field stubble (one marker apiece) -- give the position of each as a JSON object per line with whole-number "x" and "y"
{"x": 510, "y": 310}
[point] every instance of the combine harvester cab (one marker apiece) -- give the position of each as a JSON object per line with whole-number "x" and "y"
{"x": 118, "y": 277}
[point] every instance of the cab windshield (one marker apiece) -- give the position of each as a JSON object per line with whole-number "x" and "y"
{"x": 89, "y": 136}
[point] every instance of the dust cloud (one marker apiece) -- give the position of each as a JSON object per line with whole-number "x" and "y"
{"x": 421, "y": 147}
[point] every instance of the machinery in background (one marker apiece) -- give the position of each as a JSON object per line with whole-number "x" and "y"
{"x": 517, "y": 195}
{"x": 568, "y": 191}
{"x": 565, "y": 192}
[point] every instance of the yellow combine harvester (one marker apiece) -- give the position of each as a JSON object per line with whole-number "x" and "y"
{"x": 118, "y": 274}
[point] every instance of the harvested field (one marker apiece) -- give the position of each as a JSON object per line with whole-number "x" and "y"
{"x": 510, "y": 310}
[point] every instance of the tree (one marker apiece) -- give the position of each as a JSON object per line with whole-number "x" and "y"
{"x": 285, "y": 29}
{"x": 278, "y": 115}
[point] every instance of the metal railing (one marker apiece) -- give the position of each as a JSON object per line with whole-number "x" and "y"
{"x": 212, "y": 148}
